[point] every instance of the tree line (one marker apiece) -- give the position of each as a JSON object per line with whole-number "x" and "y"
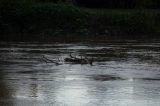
{"x": 154, "y": 4}
{"x": 111, "y": 3}
{"x": 119, "y": 3}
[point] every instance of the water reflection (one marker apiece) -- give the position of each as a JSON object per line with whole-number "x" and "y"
{"x": 72, "y": 94}
{"x": 6, "y": 93}
{"x": 124, "y": 74}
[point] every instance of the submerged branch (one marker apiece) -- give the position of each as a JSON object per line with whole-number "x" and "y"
{"x": 50, "y": 61}
{"x": 81, "y": 60}
{"x": 71, "y": 58}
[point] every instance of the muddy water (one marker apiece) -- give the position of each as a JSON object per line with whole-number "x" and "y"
{"x": 125, "y": 73}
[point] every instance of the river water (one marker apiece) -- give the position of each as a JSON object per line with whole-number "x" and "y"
{"x": 124, "y": 73}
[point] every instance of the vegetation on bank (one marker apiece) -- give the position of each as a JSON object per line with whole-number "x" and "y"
{"x": 49, "y": 21}
{"x": 119, "y": 3}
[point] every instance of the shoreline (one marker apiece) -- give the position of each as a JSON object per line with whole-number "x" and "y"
{"x": 76, "y": 39}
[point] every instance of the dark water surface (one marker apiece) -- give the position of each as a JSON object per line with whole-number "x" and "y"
{"x": 125, "y": 73}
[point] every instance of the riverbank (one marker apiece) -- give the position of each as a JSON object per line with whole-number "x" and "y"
{"x": 58, "y": 22}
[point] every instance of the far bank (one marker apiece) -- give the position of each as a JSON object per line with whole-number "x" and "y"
{"x": 51, "y": 22}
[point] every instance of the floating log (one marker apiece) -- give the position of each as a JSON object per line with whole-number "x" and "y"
{"x": 82, "y": 60}
{"x": 73, "y": 59}
{"x": 51, "y": 61}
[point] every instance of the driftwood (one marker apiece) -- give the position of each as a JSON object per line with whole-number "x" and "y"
{"x": 72, "y": 59}
{"x": 51, "y": 61}
{"x": 81, "y": 60}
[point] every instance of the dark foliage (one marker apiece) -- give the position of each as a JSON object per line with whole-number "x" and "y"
{"x": 118, "y": 3}
{"x": 106, "y": 3}
{"x": 155, "y": 4}
{"x": 53, "y": 1}
{"x": 29, "y": 20}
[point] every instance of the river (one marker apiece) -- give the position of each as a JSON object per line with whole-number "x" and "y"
{"x": 124, "y": 73}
